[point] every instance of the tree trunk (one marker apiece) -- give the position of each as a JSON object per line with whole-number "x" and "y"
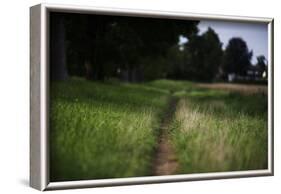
{"x": 58, "y": 48}
{"x": 89, "y": 69}
{"x": 136, "y": 74}
{"x": 93, "y": 64}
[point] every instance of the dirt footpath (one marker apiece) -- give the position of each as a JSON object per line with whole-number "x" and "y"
{"x": 165, "y": 160}
{"x": 243, "y": 88}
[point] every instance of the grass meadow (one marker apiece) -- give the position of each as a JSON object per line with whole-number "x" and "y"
{"x": 216, "y": 131}
{"x": 110, "y": 130}
{"x": 103, "y": 130}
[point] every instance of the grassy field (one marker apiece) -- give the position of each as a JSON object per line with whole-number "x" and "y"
{"x": 103, "y": 130}
{"x": 109, "y": 130}
{"x": 214, "y": 130}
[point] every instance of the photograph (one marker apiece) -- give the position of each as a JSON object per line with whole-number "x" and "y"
{"x": 133, "y": 96}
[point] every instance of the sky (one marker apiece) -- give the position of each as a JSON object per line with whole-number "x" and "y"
{"x": 255, "y": 34}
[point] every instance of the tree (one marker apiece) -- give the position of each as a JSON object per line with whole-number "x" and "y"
{"x": 261, "y": 61}
{"x": 262, "y": 64}
{"x": 108, "y": 44}
{"x": 203, "y": 56}
{"x": 144, "y": 41}
{"x": 58, "y": 47}
{"x": 99, "y": 46}
{"x": 213, "y": 54}
{"x": 237, "y": 57}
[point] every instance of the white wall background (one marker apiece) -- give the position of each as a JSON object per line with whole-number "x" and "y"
{"x": 14, "y": 94}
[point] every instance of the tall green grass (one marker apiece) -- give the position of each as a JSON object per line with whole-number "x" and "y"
{"x": 103, "y": 130}
{"x": 216, "y": 131}
{"x": 110, "y": 130}
{"x": 172, "y": 86}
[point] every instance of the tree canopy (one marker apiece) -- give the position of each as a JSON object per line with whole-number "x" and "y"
{"x": 121, "y": 45}
{"x": 203, "y": 56}
{"x": 136, "y": 49}
{"x": 237, "y": 57}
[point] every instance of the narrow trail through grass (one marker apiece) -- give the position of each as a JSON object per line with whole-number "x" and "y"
{"x": 165, "y": 159}
{"x": 164, "y": 127}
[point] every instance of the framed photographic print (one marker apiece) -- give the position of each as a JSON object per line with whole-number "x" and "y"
{"x": 123, "y": 96}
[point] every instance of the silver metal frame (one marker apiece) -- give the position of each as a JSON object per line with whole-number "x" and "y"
{"x": 39, "y": 90}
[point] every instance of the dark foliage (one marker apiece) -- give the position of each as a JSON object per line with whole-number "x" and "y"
{"x": 100, "y": 46}
{"x": 136, "y": 49}
{"x": 237, "y": 57}
{"x": 200, "y": 59}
